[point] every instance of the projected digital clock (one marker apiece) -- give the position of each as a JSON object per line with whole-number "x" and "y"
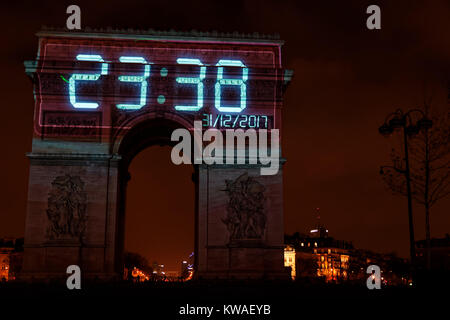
{"x": 106, "y": 81}
{"x": 142, "y": 81}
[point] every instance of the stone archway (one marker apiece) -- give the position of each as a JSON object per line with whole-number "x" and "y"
{"x": 81, "y": 151}
{"x": 90, "y": 232}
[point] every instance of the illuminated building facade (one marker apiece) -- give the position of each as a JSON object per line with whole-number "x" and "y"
{"x": 10, "y": 258}
{"x": 334, "y": 260}
{"x": 333, "y": 263}
{"x": 318, "y": 255}
{"x": 289, "y": 260}
{"x": 4, "y": 263}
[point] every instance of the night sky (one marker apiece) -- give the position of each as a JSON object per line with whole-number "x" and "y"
{"x": 347, "y": 79}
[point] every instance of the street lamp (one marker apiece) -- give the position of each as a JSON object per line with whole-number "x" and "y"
{"x": 400, "y": 120}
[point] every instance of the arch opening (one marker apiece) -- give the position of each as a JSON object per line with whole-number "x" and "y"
{"x": 157, "y": 200}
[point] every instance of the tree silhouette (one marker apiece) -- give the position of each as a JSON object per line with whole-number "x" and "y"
{"x": 429, "y": 157}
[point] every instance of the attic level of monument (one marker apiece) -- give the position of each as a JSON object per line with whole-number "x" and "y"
{"x": 151, "y": 34}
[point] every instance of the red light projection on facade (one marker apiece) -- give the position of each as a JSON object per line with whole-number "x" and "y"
{"x": 90, "y": 86}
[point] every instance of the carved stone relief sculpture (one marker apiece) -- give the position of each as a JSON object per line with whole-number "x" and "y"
{"x": 246, "y": 211}
{"x": 66, "y": 212}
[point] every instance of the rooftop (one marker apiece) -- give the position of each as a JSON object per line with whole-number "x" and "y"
{"x": 435, "y": 242}
{"x": 152, "y": 34}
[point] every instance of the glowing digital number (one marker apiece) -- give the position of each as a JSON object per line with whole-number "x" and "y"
{"x": 243, "y": 122}
{"x": 142, "y": 80}
{"x": 265, "y": 125}
{"x": 250, "y": 118}
{"x": 227, "y": 121}
{"x": 198, "y": 81}
{"x": 206, "y": 120}
{"x": 139, "y": 79}
{"x": 85, "y": 77}
{"x": 231, "y": 82}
